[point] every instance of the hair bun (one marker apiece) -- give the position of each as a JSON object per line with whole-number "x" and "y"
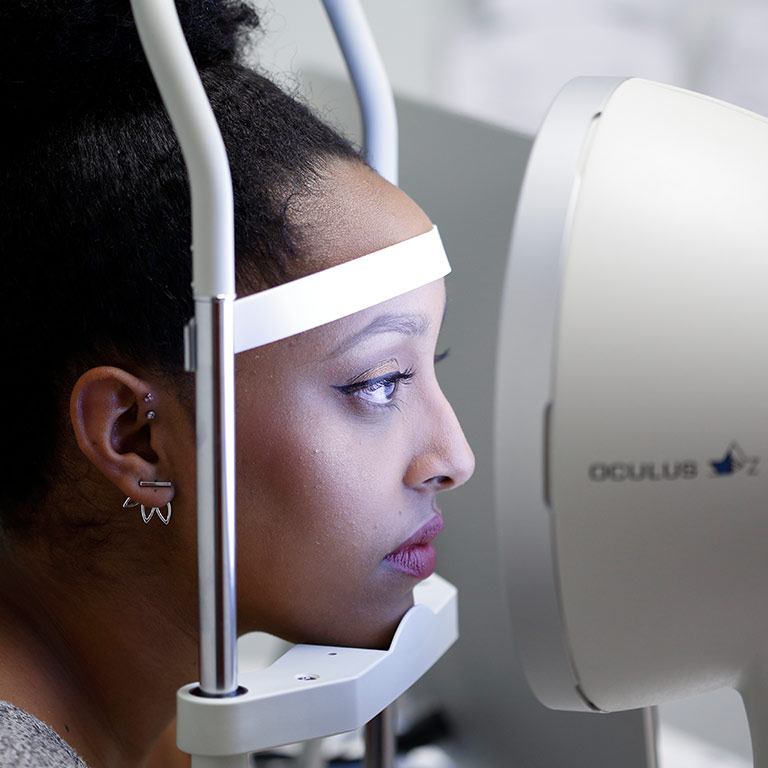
{"x": 61, "y": 51}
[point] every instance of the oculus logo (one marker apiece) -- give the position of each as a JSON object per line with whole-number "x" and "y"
{"x": 645, "y": 470}
{"x": 735, "y": 460}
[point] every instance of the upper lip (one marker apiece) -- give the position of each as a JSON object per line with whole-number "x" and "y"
{"x": 427, "y": 533}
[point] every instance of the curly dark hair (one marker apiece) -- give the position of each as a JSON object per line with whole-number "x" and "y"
{"x": 95, "y": 203}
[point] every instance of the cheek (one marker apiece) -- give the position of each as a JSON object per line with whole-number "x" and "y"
{"x": 310, "y": 479}
{"x": 318, "y": 509}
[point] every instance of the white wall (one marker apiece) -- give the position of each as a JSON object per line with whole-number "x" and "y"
{"x": 504, "y": 60}
{"x": 410, "y": 34}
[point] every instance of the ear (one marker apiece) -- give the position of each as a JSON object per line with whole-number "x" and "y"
{"x": 113, "y": 414}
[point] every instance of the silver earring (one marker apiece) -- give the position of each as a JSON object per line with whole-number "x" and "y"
{"x": 167, "y": 518}
{"x": 164, "y": 518}
{"x": 147, "y": 516}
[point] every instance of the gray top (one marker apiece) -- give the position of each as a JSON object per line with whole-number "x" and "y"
{"x": 26, "y": 742}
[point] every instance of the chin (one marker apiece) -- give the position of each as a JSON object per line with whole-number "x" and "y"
{"x": 379, "y": 632}
{"x": 368, "y": 629}
{"x": 370, "y": 626}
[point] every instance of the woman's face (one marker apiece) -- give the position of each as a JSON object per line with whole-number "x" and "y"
{"x": 344, "y": 440}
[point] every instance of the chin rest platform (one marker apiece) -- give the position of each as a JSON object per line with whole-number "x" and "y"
{"x": 314, "y": 691}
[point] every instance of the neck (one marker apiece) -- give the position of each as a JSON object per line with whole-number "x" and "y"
{"x": 98, "y": 659}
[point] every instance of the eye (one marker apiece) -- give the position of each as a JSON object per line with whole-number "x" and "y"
{"x": 381, "y": 391}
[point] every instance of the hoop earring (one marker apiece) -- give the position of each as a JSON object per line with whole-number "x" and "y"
{"x": 146, "y": 517}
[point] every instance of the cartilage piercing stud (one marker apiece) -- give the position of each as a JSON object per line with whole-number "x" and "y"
{"x": 149, "y": 397}
{"x": 151, "y": 415}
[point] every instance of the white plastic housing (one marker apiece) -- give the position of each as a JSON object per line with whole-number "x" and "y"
{"x": 314, "y": 691}
{"x": 632, "y": 443}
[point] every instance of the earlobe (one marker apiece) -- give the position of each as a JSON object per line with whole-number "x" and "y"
{"x": 112, "y": 412}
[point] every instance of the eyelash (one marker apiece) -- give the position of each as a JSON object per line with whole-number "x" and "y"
{"x": 396, "y": 379}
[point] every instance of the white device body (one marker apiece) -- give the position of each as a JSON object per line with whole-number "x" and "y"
{"x": 633, "y": 361}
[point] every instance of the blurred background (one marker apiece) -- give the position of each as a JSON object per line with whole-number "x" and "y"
{"x": 502, "y": 62}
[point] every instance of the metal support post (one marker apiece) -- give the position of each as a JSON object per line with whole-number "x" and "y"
{"x": 380, "y": 740}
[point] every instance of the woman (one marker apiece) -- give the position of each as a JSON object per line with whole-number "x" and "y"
{"x": 343, "y": 436}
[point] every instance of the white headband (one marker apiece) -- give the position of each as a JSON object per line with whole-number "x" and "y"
{"x": 336, "y": 292}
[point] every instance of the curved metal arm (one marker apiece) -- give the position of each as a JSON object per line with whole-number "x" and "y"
{"x": 212, "y": 332}
{"x": 374, "y": 93}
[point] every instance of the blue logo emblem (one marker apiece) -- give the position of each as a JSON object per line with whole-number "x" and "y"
{"x": 734, "y": 461}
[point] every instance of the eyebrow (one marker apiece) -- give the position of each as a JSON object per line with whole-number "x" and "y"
{"x": 406, "y": 325}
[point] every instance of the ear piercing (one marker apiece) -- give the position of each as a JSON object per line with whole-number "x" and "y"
{"x": 147, "y": 516}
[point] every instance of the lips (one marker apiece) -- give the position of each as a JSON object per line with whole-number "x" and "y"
{"x": 416, "y": 556}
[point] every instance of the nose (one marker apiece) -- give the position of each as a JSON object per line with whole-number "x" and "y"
{"x": 443, "y": 458}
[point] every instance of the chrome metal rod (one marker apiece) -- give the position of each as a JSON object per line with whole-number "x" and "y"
{"x": 213, "y": 281}
{"x": 650, "y": 727}
{"x": 380, "y": 740}
{"x": 215, "y": 496}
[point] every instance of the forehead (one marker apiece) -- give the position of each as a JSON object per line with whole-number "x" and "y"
{"x": 414, "y": 315}
{"x": 355, "y": 212}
